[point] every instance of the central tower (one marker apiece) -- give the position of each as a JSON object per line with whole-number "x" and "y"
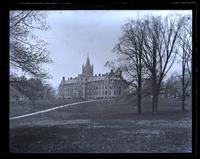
{"x": 87, "y": 70}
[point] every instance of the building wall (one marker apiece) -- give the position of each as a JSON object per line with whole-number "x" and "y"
{"x": 87, "y": 86}
{"x": 105, "y": 88}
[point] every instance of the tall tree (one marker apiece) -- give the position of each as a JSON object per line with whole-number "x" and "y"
{"x": 185, "y": 53}
{"x": 27, "y": 52}
{"x": 160, "y": 50}
{"x": 130, "y": 50}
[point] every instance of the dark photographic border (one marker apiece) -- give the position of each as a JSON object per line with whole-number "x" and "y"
{"x": 96, "y": 5}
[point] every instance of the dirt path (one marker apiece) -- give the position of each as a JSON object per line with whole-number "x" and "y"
{"x": 51, "y": 109}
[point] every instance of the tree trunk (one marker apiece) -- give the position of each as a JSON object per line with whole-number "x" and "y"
{"x": 183, "y": 103}
{"x": 153, "y": 104}
{"x": 139, "y": 102}
{"x": 183, "y": 81}
{"x": 154, "y": 88}
{"x": 154, "y": 77}
{"x": 139, "y": 79}
{"x": 156, "y": 101}
{"x": 155, "y": 97}
{"x": 183, "y": 95}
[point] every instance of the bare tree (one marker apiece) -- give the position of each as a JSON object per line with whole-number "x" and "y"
{"x": 185, "y": 44}
{"x": 130, "y": 50}
{"x": 160, "y": 50}
{"x": 27, "y": 51}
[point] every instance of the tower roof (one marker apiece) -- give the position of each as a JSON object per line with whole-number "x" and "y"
{"x": 87, "y": 70}
{"x": 87, "y": 64}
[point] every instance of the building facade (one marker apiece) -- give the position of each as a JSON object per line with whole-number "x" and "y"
{"x": 89, "y": 86}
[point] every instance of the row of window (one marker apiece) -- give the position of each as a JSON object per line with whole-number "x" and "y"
{"x": 96, "y": 88}
{"x": 103, "y": 93}
{"x": 96, "y": 93}
{"x": 104, "y": 87}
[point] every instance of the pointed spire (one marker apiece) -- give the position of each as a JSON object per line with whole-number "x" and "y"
{"x": 87, "y": 70}
{"x": 87, "y": 62}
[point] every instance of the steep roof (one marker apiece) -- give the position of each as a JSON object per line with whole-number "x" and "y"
{"x": 87, "y": 64}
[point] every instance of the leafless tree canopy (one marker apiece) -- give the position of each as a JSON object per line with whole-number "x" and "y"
{"x": 130, "y": 50}
{"x": 27, "y": 54}
{"x": 148, "y": 48}
{"x": 160, "y": 50}
{"x": 27, "y": 51}
{"x": 185, "y": 53}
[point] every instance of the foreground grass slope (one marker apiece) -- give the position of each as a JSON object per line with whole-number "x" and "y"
{"x": 105, "y": 126}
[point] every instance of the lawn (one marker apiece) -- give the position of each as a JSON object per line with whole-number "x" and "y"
{"x": 21, "y": 108}
{"x": 105, "y": 126}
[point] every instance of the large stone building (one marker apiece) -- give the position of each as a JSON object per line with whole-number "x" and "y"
{"x": 89, "y": 86}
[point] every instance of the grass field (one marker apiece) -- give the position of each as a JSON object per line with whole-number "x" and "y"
{"x": 105, "y": 126}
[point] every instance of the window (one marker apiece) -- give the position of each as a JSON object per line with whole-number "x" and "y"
{"x": 105, "y": 92}
{"x": 105, "y": 87}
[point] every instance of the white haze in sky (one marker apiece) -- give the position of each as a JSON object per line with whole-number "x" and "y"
{"x": 74, "y": 35}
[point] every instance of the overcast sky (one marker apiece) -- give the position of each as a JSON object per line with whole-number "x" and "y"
{"x": 74, "y": 35}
